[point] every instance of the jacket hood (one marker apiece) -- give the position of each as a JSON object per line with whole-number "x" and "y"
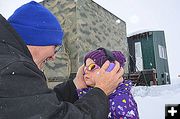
{"x": 19, "y": 75}
{"x": 10, "y": 38}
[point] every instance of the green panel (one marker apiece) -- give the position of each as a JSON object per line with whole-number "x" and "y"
{"x": 148, "y": 52}
{"x": 161, "y": 63}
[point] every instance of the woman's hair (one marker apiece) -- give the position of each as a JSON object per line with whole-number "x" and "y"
{"x": 99, "y": 57}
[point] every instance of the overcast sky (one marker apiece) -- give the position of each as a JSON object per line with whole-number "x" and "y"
{"x": 152, "y": 14}
{"x": 139, "y": 15}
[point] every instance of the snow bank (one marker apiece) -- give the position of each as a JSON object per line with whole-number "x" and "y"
{"x": 151, "y": 100}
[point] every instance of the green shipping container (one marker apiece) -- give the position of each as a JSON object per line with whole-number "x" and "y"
{"x": 148, "y": 51}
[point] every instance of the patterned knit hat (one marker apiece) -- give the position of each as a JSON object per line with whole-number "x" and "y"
{"x": 36, "y": 25}
{"x": 99, "y": 57}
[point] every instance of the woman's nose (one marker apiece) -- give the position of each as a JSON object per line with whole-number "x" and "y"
{"x": 86, "y": 71}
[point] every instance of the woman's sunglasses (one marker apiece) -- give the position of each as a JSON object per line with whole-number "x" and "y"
{"x": 91, "y": 67}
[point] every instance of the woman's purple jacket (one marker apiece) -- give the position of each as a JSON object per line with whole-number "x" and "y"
{"x": 122, "y": 103}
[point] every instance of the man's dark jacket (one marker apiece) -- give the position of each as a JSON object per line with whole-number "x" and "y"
{"x": 24, "y": 93}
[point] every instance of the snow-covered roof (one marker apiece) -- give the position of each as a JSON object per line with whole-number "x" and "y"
{"x": 141, "y": 31}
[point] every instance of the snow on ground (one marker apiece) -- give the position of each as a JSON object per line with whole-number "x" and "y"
{"x": 151, "y": 100}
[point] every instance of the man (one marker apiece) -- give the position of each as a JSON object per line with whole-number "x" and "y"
{"x": 23, "y": 90}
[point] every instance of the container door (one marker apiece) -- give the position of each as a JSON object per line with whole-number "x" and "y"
{"x": 138, "y": 56}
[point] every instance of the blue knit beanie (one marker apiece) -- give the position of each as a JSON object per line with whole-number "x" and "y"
{"x": 36, "y": 25}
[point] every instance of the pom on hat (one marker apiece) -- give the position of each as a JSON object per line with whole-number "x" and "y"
{"x": 99, "y": 57}
{"x": 36, "y": 25}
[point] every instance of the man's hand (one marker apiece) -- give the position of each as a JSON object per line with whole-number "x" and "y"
{"x": 108, "y": 81}
{"x": 79, "y": 79}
